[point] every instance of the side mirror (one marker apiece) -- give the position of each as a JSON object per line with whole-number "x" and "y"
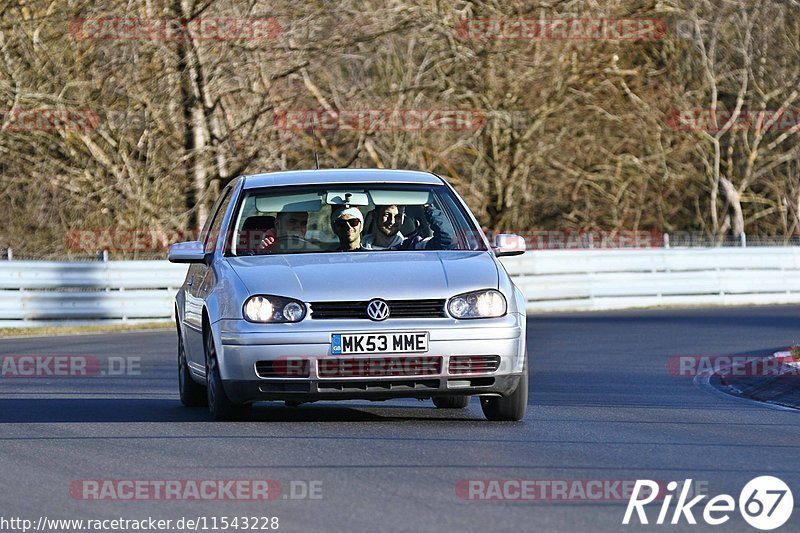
{"x": 506, "y": 244}
{"x": 187, "y": 252}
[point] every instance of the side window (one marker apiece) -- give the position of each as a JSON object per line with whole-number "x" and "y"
{"x": 218, "y": 213}
{"x": 211, "y": 213}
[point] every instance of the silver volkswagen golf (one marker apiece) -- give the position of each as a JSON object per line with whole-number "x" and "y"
{"x": 348, "y": 284}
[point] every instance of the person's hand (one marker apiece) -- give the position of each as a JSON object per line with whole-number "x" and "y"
{"x": 431, "y": 212}
{"x": 443, "y": 238}
{"x": 269, "y": 241}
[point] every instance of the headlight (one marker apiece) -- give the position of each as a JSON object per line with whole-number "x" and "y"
{"x": 273, "y": 309}
{"x": 479, "y": 304}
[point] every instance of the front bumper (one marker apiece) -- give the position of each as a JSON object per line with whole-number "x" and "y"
{"x": 243, "y": 344}
{"x": 368, "y": 388}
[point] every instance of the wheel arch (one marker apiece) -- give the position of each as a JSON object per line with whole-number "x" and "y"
{"x": 213, "y": 329}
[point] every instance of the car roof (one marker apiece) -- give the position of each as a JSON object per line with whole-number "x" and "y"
{"x": 339, "y": 175}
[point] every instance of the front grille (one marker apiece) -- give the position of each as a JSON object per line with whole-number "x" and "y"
{"x": 289, "y": 367}
{"x": 423, "y": 365}
{"x": 433, "y": 308}
{"x": 473, "y": 364}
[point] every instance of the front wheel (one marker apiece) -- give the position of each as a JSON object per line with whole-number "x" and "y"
{"x": 220, "y": 407}
{"x": 451, "y": 402}
{"x": 509, "y": 408}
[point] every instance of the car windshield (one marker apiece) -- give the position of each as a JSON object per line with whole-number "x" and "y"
{"x": 363, "y": 217}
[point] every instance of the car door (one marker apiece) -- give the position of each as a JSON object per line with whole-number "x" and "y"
{"x": 198, "y": 284}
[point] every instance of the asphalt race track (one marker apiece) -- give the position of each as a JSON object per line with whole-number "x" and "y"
{"x": 603, "y": 407}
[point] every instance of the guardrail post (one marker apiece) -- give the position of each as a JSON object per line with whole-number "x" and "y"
{"x": 743, "y": 240}
{"x": 666, "y": 240}
{"x": 9, "y": 254}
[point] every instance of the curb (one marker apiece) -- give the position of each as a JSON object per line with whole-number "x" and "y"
{"x": 781, "y": 388}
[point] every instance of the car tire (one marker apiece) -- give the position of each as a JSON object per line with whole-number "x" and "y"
{"x": 220, "y": 407}
{"x": 509, "y": 408}
{"x": 192, "y": 393}
{"x": 451, "y": 402}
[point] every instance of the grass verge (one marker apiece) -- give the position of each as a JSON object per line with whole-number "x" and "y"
{"x": 82, "y": 329}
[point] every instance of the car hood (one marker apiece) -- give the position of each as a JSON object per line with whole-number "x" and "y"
{"x": 366, "y": 275}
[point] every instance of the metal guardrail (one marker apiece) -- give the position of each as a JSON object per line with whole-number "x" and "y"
{"x": 618, "y": 279}
{"x": 41, "y": 292}
{"x": 35, "y": 293}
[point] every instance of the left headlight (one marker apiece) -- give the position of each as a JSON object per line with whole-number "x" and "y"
{"x": 266, "y": 308}
{"x": 478, "y": 304}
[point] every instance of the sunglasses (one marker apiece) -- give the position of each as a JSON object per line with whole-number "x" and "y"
{"x": 352, "y": 222}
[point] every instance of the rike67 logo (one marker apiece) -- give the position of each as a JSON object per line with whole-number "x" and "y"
{"x": 765, "y": 503}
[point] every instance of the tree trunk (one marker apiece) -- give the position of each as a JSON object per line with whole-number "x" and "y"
{"x": 734, "y": 201}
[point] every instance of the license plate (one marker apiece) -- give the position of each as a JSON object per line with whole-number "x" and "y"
{"x": 409, "y": 342}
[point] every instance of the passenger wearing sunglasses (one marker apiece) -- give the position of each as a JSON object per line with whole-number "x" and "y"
{"x": 347, "y": 224}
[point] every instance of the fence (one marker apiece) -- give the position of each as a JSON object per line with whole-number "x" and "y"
{"x": 34, "y": 293}
{"x": 617, "y": 279}
{"x": 39, "y": 292}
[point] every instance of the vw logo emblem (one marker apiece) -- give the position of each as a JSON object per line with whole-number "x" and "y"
{"x": 377, "y": 310}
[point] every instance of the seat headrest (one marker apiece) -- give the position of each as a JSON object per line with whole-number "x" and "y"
{"x": 253, "y": 230}
{"x": 409, "y": 226}
{"x": 259, "y": 222}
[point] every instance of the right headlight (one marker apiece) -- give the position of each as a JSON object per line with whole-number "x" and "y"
{"x": 478, "y": 304}
{"x": 268, "y": 308}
